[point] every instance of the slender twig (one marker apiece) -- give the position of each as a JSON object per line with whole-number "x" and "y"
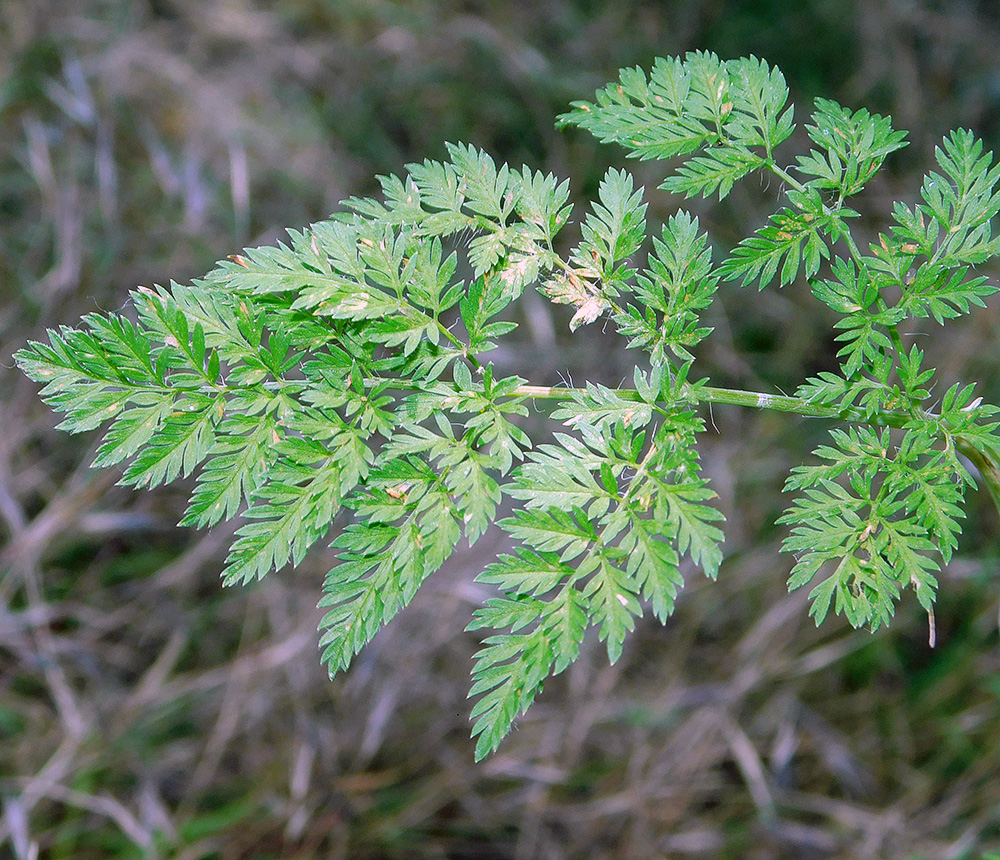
{"x": 732, "y": 397}
{"x": 987, "y": 464}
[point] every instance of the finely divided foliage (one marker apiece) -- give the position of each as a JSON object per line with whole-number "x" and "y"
{"x": 347, "y": 371}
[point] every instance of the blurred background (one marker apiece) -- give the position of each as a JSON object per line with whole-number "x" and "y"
{"x": 145, "y": 712}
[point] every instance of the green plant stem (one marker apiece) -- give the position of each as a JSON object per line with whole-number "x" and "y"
{"x": 731, "y": 397}
{"x": 988, "y": 465}
{"x": 783, "y": 174}
{"x": 469, "y": 356}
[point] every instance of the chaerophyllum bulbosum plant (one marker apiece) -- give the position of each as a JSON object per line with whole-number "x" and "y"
{"x": 348, "y": 371}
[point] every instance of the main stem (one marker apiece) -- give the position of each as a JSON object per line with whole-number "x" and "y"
{"x": 987, "y": 464}
{"x": 730, "y": 397}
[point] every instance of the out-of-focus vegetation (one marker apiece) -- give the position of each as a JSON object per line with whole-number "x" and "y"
{"x": 145, "y": 712}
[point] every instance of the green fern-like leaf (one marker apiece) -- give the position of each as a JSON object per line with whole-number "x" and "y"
{"x": 607, "y": 516}
{"x": 337, "y": 383}
{"x": 884, "y": 528}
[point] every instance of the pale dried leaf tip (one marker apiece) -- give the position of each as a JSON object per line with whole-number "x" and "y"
{"x": 588, "y": 311}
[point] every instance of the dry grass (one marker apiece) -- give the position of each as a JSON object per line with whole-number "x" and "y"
{"x": 145, "y": 712}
